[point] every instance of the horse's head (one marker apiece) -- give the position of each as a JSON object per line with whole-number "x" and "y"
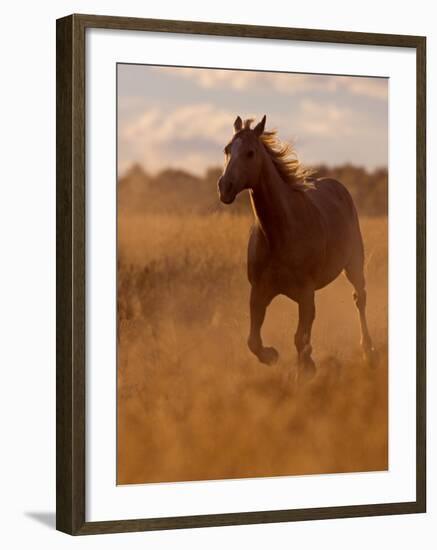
{"x": 243, "y": 160}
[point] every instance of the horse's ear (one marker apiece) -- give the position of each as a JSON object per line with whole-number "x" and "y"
{"x": 259, "y": 128}
{"x": 238, "y": 124}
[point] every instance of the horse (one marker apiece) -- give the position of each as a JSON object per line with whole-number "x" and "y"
{"x": 306, "y": 232}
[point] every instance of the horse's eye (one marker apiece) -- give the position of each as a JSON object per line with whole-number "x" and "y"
{"x": 250, "y": 154}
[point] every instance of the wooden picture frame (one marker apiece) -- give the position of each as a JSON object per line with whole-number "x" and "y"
{"x": 71, "y": 283}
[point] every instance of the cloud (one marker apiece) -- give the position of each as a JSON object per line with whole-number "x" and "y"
{"x": 334, "y": 133}
{"x": 324, "y": 119}
{"x": 284, "y": 83}
{"x": 191, "y": 136}
{"x": 185, "y": 122}
{"x": 376, "y": 88}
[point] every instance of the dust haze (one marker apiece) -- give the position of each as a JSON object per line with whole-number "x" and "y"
{"x": 193, "y": 402}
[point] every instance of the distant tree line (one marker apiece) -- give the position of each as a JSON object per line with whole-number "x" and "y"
{"x": 174, "y": 190}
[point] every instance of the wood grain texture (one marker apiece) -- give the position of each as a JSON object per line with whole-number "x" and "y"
{"x": 220, "y": 520}
{"x": 70, "y": 277}
{"x": 246, "y": 31}
{"x": 64, "y": 447}
{"x": 71, "y": 271}
{"x": 421, "y": 274}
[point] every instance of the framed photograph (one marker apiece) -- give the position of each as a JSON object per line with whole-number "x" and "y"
{"x": 240, "y": 274}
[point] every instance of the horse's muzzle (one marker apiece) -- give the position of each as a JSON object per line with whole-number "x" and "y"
{"x": 225, "y": 191}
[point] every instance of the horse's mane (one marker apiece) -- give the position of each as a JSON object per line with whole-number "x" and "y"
{"x": 285, "y": 159}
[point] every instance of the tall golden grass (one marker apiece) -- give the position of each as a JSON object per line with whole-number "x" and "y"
{"x": 194, "y": 404}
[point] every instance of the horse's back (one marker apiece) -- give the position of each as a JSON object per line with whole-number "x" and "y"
{"x": 336, "y": 233}
{"x": 332, "y": 199}
{"x": 335, "y": 206}
{"x": 340, "y": 220}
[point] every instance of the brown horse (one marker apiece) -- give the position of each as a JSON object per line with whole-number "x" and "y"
{"x": 306, "y": 232}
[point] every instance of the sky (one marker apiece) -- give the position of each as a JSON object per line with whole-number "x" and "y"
{"x": 183, "y": 117}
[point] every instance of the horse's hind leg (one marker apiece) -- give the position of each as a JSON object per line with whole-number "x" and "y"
{"x": 302, "y": 338}
{"x": 355, "y": 273}
{"x": 259, "y": 300}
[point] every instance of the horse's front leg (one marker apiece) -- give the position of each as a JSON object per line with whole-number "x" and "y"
{"x": 302, "y": 338}
{"x": 259, "y": 300}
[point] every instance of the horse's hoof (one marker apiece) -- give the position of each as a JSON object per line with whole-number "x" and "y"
{"x": 268, "y": 356}
{"x": 371, "y": 357}
{"x": 306, "y": 371}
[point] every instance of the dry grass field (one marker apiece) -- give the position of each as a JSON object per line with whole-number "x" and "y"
{"x": 194, "y": 404}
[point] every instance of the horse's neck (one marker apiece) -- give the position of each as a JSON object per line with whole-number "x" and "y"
{"x": 277, "y": 208}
